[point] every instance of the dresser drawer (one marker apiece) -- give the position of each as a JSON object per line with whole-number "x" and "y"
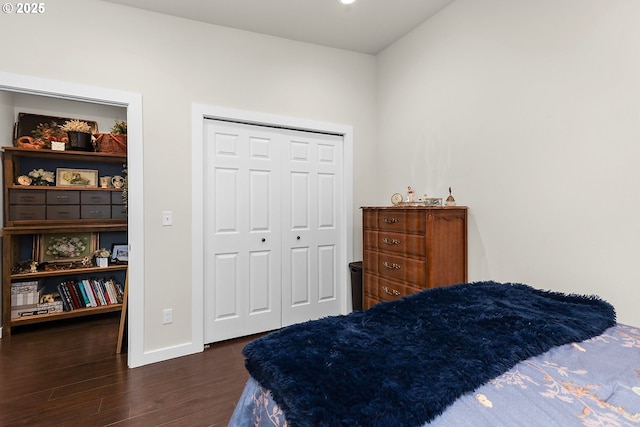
{"x": 63, "y": 197}
{"x": 397, "y": 268}
{"x": 62, "y": 212}
{"x": 95, "y": 197}
{"x": 26, "y": 213}
{"x": 401, "y": 221}
{"x": 26, "y": 197}
{"x": 379, "y": 289}
{"x": 412, "y": 245}
{"x": 389, "y": 290}
{"x": 95, "y": 211}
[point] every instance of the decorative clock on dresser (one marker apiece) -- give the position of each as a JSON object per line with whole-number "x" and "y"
{"x": 411, "y": 248}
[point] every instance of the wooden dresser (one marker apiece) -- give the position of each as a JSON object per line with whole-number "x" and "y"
{"x": 409, "y": 249}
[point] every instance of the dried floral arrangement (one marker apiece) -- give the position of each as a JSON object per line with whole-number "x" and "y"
{"x": 76, "y": 126}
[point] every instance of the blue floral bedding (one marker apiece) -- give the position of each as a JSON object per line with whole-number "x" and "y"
{"x": 592, "y": 383}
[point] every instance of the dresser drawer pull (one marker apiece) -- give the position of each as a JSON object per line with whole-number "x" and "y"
{"x": 391, "y": 241}
{"x": 390, "y": 220}
{"x": 390, "y": 291}
{"x": 391, "y": 266}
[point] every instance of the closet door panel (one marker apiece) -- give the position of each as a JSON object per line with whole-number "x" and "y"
{"x": 327, "y": 273}
{"x": 300, "y": 188}
{"x": 312, "y": 197}
{"x": 300, "y": 274}
{"x": 259, "y": 286}
{"x": 226, "y": 297}
{"x": 242, "y": 210}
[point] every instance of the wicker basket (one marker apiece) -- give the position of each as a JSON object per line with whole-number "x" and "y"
{"x": 111, "y": 143}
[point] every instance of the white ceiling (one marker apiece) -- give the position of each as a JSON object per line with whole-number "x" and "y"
{"x": 366, "y": 26}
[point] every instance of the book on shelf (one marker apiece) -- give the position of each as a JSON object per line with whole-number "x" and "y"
{"x": 88, "y": 289}
{"x": 74, "y": 294}
{"x": 97, "y": 292}
{"x": 66, "y": 298}
{"x": 82, "y": 294}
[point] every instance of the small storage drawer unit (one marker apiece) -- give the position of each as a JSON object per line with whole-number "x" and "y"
{"x": 118, "y": 212}
{"x": 27, "y": 212}
{"x": 116, "y": 198}
{"x": 25, "y": 197}
{"x": 63, "y": 197}
{"x": 95, "y": 198}
{"x": 62, "y": 212}
{"x": 95, "y": 211}
{"x": 52, "y": 204}
{"x": 409, "y": 249}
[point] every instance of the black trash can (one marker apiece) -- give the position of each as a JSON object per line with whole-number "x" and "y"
{"x": 356, "y": 284}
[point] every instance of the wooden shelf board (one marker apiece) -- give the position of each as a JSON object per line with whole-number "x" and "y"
{"x": 68, "y": 154}
{"x": 71, "y": 271}
{"x": 59, "y": 187}
{"x": 37, "y": 227}
{"x": 65, "y": 314}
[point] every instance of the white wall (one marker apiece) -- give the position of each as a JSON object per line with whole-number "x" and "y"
{"x": 530, "y": 110}
{"x": 173, "y": 63}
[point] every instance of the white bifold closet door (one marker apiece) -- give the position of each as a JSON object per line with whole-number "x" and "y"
{"x": 273, "y": 225}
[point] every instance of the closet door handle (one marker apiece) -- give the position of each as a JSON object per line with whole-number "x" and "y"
{"x": 264, "y": 240}
{"x": 298, "y": 238}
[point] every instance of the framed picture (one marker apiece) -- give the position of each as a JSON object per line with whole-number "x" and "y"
{"x": 76, "y": 177}
{"x": 66, "y": 247}
{"x": 120, "y": 252}
{"x": 39, "y": 131}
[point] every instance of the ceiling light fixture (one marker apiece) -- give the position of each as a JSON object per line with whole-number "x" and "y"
{"x": 347, "y": 1}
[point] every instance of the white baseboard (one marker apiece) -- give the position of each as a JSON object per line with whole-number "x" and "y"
{"x": 163, "y": 354}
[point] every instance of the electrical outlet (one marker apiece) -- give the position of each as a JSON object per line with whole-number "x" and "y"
{"x": 167, "y": 316}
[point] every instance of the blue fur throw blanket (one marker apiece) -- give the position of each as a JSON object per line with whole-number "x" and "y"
{"x": 402, "y": 363}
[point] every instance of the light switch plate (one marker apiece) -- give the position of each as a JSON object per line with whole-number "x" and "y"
{"x": 167, "y": 218}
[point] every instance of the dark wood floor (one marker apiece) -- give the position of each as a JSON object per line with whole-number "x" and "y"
{"x": 69, "y": 375}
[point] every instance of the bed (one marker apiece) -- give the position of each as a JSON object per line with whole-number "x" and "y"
{"x": 477, "y": 354}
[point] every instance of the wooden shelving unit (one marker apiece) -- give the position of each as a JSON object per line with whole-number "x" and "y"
{"x": 18, "y": 230}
